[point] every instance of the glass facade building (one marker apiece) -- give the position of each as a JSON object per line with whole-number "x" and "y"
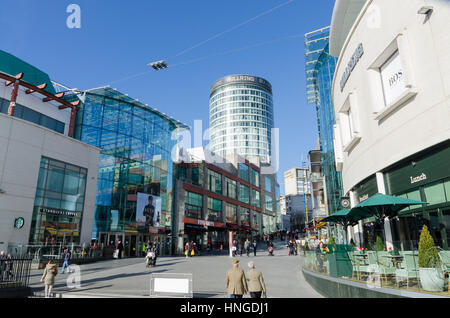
{"x": 241, "y": 117}
{"x": 59, "y": 202}
{"x": 135, "y": 159}
{"x": 320, "y": 67}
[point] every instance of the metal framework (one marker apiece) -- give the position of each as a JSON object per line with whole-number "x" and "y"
{"x": 40, "y": 89}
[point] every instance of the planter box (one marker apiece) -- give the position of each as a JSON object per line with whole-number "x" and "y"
{"x": 340, "y": 264}
{"x": 432, "y": 279}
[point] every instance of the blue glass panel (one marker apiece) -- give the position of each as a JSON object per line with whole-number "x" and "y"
{"x": 125, "y": 120}
{"x": 93, "y": 114}
{"x": 108, "y": 140}
{"x": 110, "y": 118}
{"x": 91, "y": 136}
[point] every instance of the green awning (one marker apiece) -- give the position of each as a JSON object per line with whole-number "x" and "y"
{"x": 342, "y": 217}
{"x": 381, "y": 206}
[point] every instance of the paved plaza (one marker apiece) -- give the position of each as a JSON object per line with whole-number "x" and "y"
{"x": 131, "y": 278}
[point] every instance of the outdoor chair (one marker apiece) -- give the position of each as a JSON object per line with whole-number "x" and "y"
{"x": 409, "y": 270}
{"x": 445, "y": 263}
{"x": 354, "y": 268}
{"x": 361, "y": 267}
{"x": 445, "y": 260}
{"x": 381, "y": 264}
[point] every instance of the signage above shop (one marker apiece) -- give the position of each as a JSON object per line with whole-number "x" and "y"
{"x": 393, "y": 79}
{"x": 59, "y": 212}
{"x": 351, "y": 65}
{"x": 422, "y": 177}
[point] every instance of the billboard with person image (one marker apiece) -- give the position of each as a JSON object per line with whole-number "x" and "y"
{"x": 148, "y": 210}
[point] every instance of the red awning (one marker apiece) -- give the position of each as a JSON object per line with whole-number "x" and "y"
{"x": 232, "y": 226}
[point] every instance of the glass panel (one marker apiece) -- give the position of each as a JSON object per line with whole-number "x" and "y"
{"x": 269, "y": 205}
{"x": 435, "y": 229}
{"x": 244, "y": 194}
{"x": 110, "y": 118}
{"x": 268, "y": 186}
{"x": 31, "y": 115}
{"x": 414, "y": 195}
{"x": 55, "y": 179}
{"x": 71, "y": 182}
{"x": 48, "y": 122}
{"x": 447, "y": 189}
{"x": 435, "y": 193}
{"x": 243, "y": 172}
{"x": 446, "y": 225}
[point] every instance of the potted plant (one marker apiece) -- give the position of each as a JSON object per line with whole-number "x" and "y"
{"x": 430, "y": 273}
{"x": 379, "y": 245}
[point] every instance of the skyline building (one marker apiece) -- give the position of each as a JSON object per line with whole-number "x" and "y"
{"x": 320, "y": 67}
{"x": 241, "y": 117}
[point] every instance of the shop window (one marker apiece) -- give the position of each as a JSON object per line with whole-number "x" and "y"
{"x": 231, "y": 213}
{"x": 231, "y": 188}
{"x": 269, "y": 205}
{"x": 215, "y": 182}
{"x": 214, "y": 210}
{"x": 395, "y": 72}
{"x": 447, "y": 189}
{"x": 243, "y": 172}
{"x": 256, "y": 198}
{"x": 194, "y": 204}
{"x": 348, "y": 123}
{"x": 244, "y": 194}
{"x": 268, "y": 185}
{"x": 435, "y": 193}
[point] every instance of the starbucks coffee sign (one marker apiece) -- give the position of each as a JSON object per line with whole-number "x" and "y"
{"x": 422, "y": 177}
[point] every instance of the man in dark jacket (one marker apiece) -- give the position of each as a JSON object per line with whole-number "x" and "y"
{"x": 2, "y": 265}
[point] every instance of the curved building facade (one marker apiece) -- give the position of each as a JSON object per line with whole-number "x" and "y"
{"x": 391, "y": 96}
{"x": 135, "y": 163}
{"x": 241, "y": 117}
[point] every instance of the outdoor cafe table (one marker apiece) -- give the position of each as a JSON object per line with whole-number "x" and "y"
{"x": 363, "y": 258}
{"x": 396, "y": 259}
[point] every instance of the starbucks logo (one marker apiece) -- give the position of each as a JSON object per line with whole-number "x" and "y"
{"x": 19, "y": 222}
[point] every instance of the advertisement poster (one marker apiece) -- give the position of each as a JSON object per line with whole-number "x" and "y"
{"x": 114, "y": 221}
{"x": 148, "y": 210}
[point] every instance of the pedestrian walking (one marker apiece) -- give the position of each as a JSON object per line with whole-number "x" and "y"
{"x": 2, "y": 265}
{"x": 66, "y": 263}
{"x": 120, "y": 249}
{"x": 240, "y": 248}
{"x": 255, "y": 244}
{"x": 186, "y": 250}
{"x": 234, "y": 248}
{"x": 247, "y": 247}
{"x": 153, "y": 250}
{"x": 50, "y": 272}
{"x": 256, "y": 285}
{"x": 236, "y": 282}
{"x": 144, "y": 248}
{"x": 9, "y": 267}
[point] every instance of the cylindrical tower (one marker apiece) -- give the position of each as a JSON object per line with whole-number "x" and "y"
{"x": 241, "y": 117}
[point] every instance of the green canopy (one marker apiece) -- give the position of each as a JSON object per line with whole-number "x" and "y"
{"x": 342, "y": 217}
{"x": 381, "y": 206}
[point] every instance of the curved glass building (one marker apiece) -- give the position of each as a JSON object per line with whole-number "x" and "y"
{"x": 135, "y": 162}
{"x": 241, "y": 117}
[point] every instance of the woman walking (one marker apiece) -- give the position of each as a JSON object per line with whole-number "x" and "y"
{"x": 50, "y": 272}
{"x": 256, "y": 285}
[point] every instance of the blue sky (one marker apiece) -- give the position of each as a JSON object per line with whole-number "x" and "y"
{"x": 119, "y": 38}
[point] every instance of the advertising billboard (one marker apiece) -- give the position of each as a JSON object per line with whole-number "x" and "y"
{"x": 148, "y": 210}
